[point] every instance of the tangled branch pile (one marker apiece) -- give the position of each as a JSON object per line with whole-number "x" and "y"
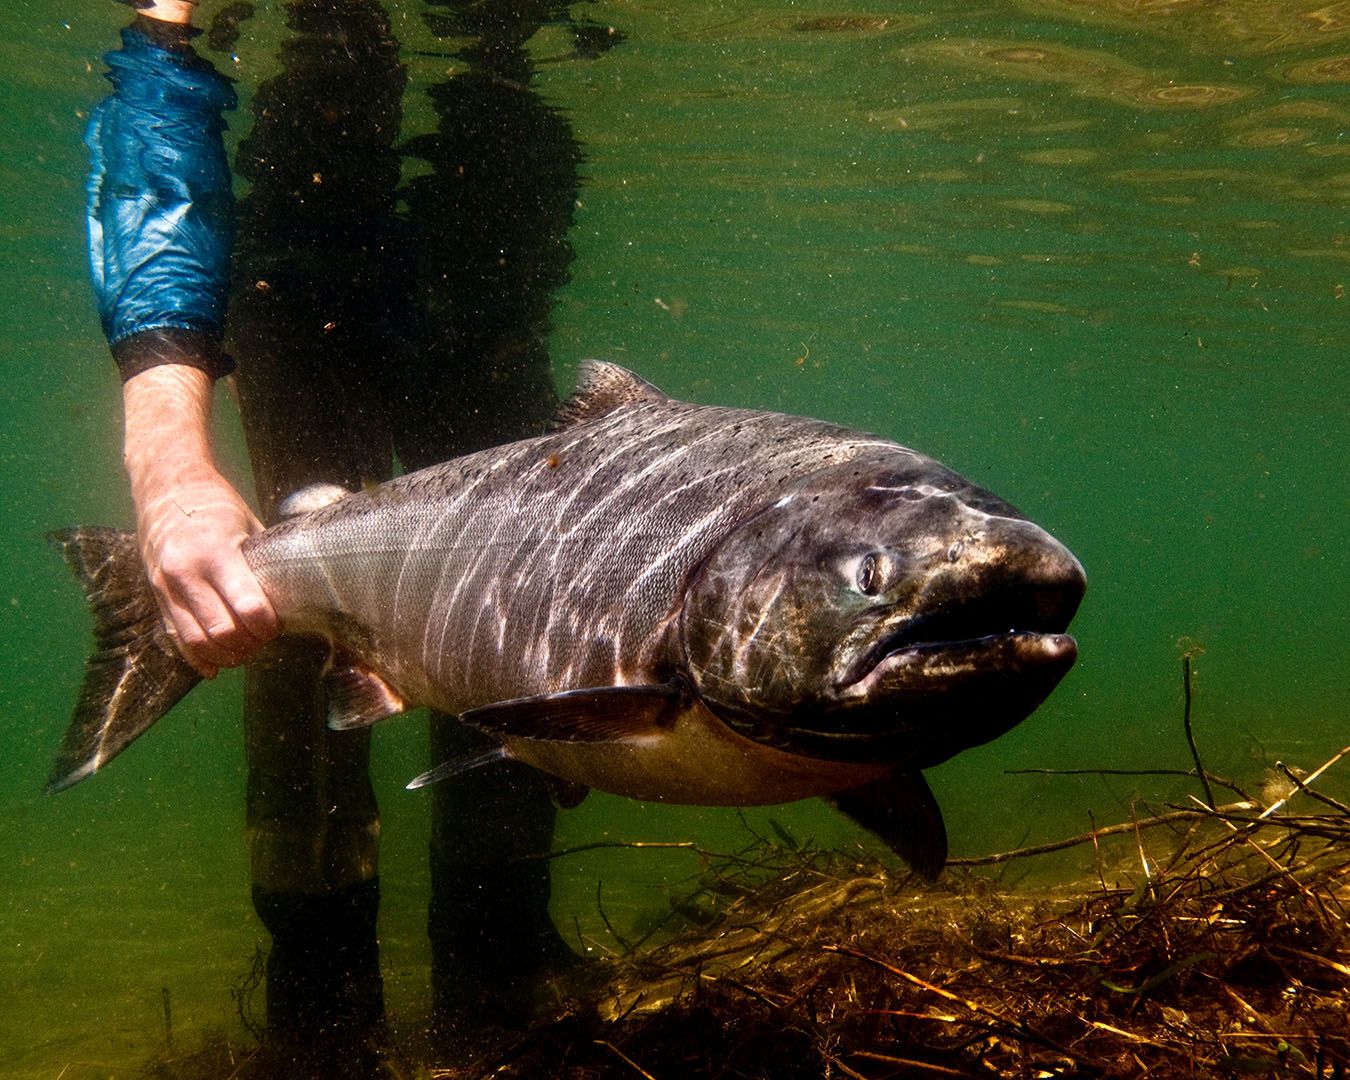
{"x": 1222, "y": 950}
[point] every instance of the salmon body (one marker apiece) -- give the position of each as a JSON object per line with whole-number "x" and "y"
{"x": 663, "y": 600}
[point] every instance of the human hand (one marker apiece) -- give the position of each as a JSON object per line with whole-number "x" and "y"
{"x": 191, "y": 535}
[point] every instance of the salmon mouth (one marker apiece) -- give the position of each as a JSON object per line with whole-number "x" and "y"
{"x": 957, "y": 675}
{"x": 1020, "y": 625}
{"x": 901, "y": 666}
{"x": 924, "y": 702}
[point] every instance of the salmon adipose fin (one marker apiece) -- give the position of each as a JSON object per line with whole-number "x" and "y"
{"x": 136, "y": 674}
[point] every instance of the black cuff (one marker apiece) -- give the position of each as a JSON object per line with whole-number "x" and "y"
{"x": 170, "y": 345}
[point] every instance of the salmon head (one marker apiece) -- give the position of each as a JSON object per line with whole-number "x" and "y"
{"x": 882, "y": 610}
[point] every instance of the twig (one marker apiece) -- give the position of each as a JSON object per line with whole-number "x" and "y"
{"x": 1275, "y": 806}
{"x": 596, "y": 845}
{"x": 1323, "y": 826}
{"x": 167, "y": 1003}
{"x": 1249, "y": 1011}
{"x": 909, "y": 1063}
{"x": 599, "y": 905}
{"x": 243, "y": 992}
{"x": 852, "y": 1074}
{"x": 1139, "y": 845}
{"x": 1221, "y": 781}
{"x": 1244, "y": 835}
{"x": 1298, "y": 783}
{"x": 1132, "y": 1036}
{"x": 1091, "y": 837}
{"x": 624, "y": 1058}
{"x": 1097, "y": 853}
{"x": 1190, "y": 735}
{"x": 1313, "y": 958}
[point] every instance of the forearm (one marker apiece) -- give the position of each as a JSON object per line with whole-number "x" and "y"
{"x": 167, "y": 444}
{"x": 191, "y": 522}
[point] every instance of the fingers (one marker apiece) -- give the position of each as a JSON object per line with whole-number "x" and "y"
{"x": 211, "y": 601}
{"x": 216, "y": 610}
{"x": 192, "y": 532}
{"x": 253, "y": 613}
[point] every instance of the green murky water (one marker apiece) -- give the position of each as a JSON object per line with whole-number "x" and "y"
{"x": 1093, "y": 255}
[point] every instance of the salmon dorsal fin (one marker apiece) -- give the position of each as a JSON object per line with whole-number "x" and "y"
{"x": 603, "y": 387}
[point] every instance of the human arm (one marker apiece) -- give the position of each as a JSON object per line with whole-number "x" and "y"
{"x": 174, "y": 11}
{"x": 160, "y": 230}
{"x": 191, "y": 522}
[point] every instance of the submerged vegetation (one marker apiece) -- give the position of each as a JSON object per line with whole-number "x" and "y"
{"x": 1211, "y": 939}
{"x": 1222, "y": 949}
{"x": 1214, "y": 941}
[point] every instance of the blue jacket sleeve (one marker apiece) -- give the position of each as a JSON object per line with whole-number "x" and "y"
{"x": 160, "y": 209}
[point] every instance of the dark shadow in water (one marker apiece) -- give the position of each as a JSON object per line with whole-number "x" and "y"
{"x": 423, "y": 330}
{"x": 501, "y": 193}
{"x": 323, "y": 308}
{"x": 373, "y": 324}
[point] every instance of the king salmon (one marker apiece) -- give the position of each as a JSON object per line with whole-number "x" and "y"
{"x": 664, "y": 600}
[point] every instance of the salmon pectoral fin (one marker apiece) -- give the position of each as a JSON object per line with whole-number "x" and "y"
{"x": 136, "y": 673}
{"x": 901, "y": 810}
{"x": 601, "y": 714}
{"x": 358, "y": 697}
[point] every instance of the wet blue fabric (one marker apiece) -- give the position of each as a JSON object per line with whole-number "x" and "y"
{"x": 160, "y": 208}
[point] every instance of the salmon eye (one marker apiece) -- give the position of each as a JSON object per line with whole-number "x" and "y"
{"x": 869, "y": 575}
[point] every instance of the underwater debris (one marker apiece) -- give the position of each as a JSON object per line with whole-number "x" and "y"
{"x": 1209, "y": 943}
{"x": 1221, "y": 949}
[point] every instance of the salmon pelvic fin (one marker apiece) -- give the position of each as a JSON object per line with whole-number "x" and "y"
{"x": 135, "y": 674}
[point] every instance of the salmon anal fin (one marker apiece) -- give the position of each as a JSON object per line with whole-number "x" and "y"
{"x": 900, "y": 809}
{"x": 358, "y": 697}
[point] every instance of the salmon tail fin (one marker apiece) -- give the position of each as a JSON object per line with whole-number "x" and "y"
{"x": 136, "y": 674}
